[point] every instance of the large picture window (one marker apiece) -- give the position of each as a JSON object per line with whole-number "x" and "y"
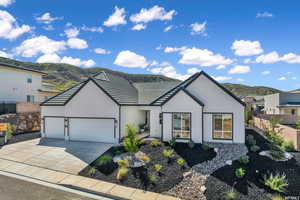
{"x": 222, "y": 126}
{"x": 181, "y": 125}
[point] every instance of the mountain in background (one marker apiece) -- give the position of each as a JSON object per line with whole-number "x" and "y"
{"x": 64, "y": 75}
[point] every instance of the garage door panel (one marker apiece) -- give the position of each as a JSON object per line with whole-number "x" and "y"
{"x": 54, "y": 128}
{"x": 94, "y": 130}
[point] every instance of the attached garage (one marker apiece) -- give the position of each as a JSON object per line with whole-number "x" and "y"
{"x": 95, "y": 130}
{"x": 54, "y": 127}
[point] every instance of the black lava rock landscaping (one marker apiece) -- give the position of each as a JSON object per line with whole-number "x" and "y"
{"x": 171, "y": 173}
{"x": 23, "y": 137}
{"x": 252, "y": 187}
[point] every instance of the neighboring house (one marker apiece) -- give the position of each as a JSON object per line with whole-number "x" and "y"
{"x": 98, "y": 109}
{"x": 19, "y": 84}
{"x": 284, "y": 103}
{"x": 255, "y": 102}
{"x": 47, "y": 91}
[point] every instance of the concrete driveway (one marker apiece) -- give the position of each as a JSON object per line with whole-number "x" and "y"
{"x": 59, "y": 155}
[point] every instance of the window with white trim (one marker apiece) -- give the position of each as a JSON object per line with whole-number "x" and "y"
{"x": 222, "y": 126}
{"x": 181, "y": 125}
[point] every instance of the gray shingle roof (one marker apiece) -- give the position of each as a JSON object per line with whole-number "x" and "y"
{"x": 169, "y": 94}
{"x": 116, "y": 87}
{"x": 21, "y": 68}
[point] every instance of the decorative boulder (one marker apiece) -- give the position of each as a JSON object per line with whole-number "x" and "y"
{"x": 134, "y": 159}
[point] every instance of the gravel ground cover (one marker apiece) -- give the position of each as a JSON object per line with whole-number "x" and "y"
{"x": 252, "y": 186}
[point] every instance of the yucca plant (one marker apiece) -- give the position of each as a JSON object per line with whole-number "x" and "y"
{"x": 92, "y": 172}
{"x": 168, "y": 154}
{"x": 240, "y": 172}
{"x": 146, "y": 158}
{"x": 155, "y": 143}
{"x": 157, "y": 167}
{"x": 123, "y": 163}
{"x": 122, "y": 173}
{"x": 277, "y": 182}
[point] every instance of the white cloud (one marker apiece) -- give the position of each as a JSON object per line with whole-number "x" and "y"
{"x": 264, "y": 15}
{"x": 198, "y": 29}
{"x": 240, "y": 69}
{"x": 168, "y": 70}
{"x": 5, "y": 55}
{"x": 268, "y": 58}
{"x": 76, "y": 43}
{"x": 290, "y": 58}
{"x": 72, "y": 32}
{"x": 246, "y": 48}
{"x": 151, "y": 14}
{"x": 221, "y": 78}
{"x": 202, "y": 57}
{"x": 6, "y": 3}
{"x": 130, "y": 59}
{"x": 40, "y": 44}
{"x": 288, "y": 73}
{"x": 247, "y": 60}
{"x": 47, "y": 19}
{"x": 282, "y": 78}
{"x": 168, "y": 28}
{"x": 158, "y": 47}
{"x": 294, "y": 78}
{"x": 9, "y": 29}
{"x": 49, "y": 58}
{"x": 221, "y": 67}
{"x": 265, "y": 72}
{"x": 92, "y": 29}
{"x": 174, "y": 49}
{"x": 193, "y": 70}
{"x": 117, "y": 18}
{"x": 240, "y": 80}
{"x": 48, "y": 27}
{"x": 101, "y": 51}
{"x": 139, "y": 27}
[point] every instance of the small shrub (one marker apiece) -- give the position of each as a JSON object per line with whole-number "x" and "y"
{"x": 275, "y": 137}
{"x": 288, "y": 146}
{"x": 168, "y": 153}
{"x": 103, "y": 160}
{"x": 191, "y": 144}
{"x": 230, "y": 195}
{"x": 146, "y": 158}
{"x": 117, "y": 152}
{"x": 10, "y": 131}
{"x": 298, "y": 124}
{"x": 155, "y": 143}
{"x": 123, "y": 163}
{"x": 172, "y": 142}
{"x": 122, "y": 173}
{"x": 277, "y": 155}
{"x": 131, "y": 141}
{"x": 205, "y": 147}
{"x": 250, "y": 139}
{"x": 244, "y": 159}
{"x": 277, "y": 197}
{"x": 92, "y": 172}
{"x": 240, "y": 172}
{"x": 276, "y": 182}
{"x": 157, "y": 167}
{"x": 180, "y": 161}
{"x": 274, "y": 121}
{"x": 152, "y": 178}
{"x": 254, "y": 148}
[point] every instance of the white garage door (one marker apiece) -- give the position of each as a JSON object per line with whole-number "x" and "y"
{"x": 54, "y": 128}
{"x": 93, "y": 130}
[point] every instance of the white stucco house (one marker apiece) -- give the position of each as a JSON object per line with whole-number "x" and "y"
{"x": 98, "y": 109}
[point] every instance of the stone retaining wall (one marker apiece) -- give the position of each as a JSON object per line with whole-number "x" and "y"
{"x": 23, "y": 122}
{"x": 288, "y": 133}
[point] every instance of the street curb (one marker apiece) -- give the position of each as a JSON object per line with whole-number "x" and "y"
{"x": 55, "y": 186}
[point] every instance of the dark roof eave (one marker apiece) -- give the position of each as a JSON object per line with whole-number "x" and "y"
{"x": 22, "y": 68}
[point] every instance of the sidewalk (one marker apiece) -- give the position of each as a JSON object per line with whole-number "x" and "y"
{"x": 79, "y": 182}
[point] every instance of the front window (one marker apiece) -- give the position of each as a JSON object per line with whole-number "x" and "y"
{"x": 181, "y": 125}
{"x": 30, "y": 98}
{"x": 222, "y": 126}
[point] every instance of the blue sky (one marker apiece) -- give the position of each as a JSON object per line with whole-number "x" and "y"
{"x": 249, "y": 42}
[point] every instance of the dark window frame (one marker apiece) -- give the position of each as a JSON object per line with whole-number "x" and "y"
{"x": 190, "y": 125}
{"x": 213, "y": 126}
